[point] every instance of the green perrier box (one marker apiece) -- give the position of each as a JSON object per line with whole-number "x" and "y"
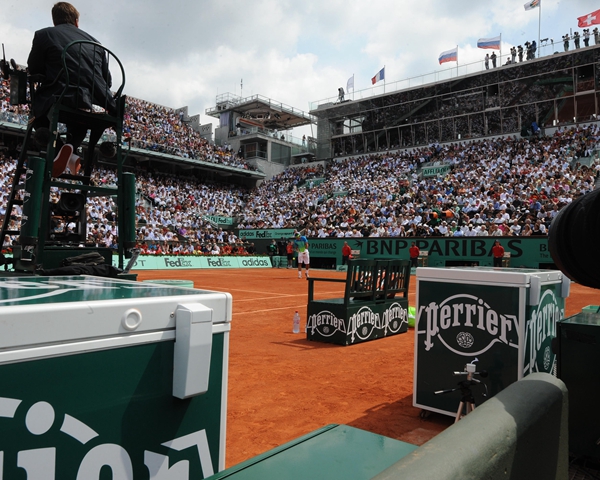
{"x": 503, "y": 318}
{"x": 110, "y": 379}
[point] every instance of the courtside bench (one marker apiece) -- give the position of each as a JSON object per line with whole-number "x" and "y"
{"x": 374, "y": 305}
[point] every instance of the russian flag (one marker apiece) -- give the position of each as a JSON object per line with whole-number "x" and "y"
{"x": 449, "y": 56}
{"x": 531, "y": 5}
{"x": 380, "y": 76}
{"x": 493, "y": 43}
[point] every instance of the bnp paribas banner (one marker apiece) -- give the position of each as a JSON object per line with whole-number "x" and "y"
{"x": 528, "y": 252}
{"x": 167, "y": 262}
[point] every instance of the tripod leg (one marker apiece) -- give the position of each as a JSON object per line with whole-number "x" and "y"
{"x": 459, "y": 411}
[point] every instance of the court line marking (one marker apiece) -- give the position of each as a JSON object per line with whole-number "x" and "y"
{"x": 282, "y": 295}
{"x": 270, "y": 310}
{"x": 262, "y": 292}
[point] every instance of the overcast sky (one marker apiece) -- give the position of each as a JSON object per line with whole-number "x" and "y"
{"x": 183, "y": 53}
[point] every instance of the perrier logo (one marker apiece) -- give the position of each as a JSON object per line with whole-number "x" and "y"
{"x": 466, "y": 325}
{"x": 539, "y": 332}
{"x": 44, "y": 461}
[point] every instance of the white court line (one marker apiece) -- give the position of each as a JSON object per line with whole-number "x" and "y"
{"x": 262, "y": 292}
{"x": 284, "y": 296}
{"x": 298, "y": 307}
{"x": 275, "y": 297}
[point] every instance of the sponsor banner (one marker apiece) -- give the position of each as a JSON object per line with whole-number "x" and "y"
{"x": 322, "y": 247}
{"x": 218, "y": 262}
{"x": 167, "y": 262}
{"x": 217, "y": 220}
{"x": 253, "y": 262}
{"x": 525, "y": 252}
{"x": 530, "y": 252}
{"x": 436, "y": 171}
{"x": 91, "y": 421}
{"x": 457, "y": 323}
{"x": 276, "y": 233}
{"x": 332, "y": 322}
{"x": 540, "y": 329}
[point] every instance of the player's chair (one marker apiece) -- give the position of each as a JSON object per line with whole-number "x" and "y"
{"x": 374, "y": 303}
{"x": 47, "y": 201}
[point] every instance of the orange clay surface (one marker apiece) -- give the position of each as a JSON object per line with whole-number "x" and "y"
{"x": 282, "y": 386}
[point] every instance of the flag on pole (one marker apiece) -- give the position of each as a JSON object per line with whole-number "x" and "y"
{"x": 350, "y": 84}
{"x": 449, "y": 56}
{"x": 380, "y": 76}
{"x": 590, "y": 19}
{"x": 493, "y": 43}
{"x": 532, "y": 4}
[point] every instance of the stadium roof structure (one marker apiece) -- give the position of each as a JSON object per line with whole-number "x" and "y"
{"x": 260, "y": 111}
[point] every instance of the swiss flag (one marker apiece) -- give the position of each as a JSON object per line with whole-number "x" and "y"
{"x": 590, "y": 19}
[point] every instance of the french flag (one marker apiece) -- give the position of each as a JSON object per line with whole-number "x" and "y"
{"x": 380, "y": 76}
{"x": 449, "y": 56}
{"x": 493, "y": 43}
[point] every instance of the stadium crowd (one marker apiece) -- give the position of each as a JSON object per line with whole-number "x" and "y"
{"x": 170, "y": 212}
{"x": 162, "y": 129}
{"x": 503, "y": 186}
{"x": 149, "y": 127}
{"x": 494, "y": 186}
{"x": 500, "y": 187}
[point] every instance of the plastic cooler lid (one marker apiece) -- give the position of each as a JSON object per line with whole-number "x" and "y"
{"x": 46, "y": 310}
{"x": 506, "y": 276}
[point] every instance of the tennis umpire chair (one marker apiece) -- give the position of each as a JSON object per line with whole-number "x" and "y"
{"x": 34, "y": 186}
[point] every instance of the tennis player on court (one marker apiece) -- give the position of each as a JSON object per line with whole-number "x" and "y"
{"x": 301, "y": 246}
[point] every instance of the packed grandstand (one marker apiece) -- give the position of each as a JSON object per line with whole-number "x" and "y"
{"x": 500, "y": 186}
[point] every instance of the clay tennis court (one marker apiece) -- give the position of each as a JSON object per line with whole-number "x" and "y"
{"x": 282, "y": 386}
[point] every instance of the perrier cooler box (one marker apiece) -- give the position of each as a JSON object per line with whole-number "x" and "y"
{"x": 505, "y": 318}
{"x": 104, "y": 378}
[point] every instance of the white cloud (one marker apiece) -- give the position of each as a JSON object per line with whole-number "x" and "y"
{"x": 183, "y": 53}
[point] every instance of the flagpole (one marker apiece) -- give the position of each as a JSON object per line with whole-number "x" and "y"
{"x": 384, "y": 78}
{"x": 353, "y": 89}
{"x": 539, "y": 30}
{"x": 457, "y": 60}
{"x": 501, "y": 49}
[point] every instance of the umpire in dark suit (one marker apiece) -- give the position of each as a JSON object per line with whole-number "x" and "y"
{"x": 87, "y": 69}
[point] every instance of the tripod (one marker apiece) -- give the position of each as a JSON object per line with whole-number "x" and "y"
{"x": 467, "y": 402}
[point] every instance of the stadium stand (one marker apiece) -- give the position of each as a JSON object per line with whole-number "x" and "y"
{"x": 491, "y": 184}
{"x": 503, "y": 184}
{"x": 149, "y": 127}
{"x": 162, "y": 129}
{"x": 548, "y": 91}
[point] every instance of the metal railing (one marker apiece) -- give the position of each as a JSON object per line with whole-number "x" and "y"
{"x": 546, "y": 49}
{"x": 226, "y": 101}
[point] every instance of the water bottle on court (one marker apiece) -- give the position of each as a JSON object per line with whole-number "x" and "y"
{"x": 296, "y": 322}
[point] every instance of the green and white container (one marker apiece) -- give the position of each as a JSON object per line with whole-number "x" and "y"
{"x": 505, "y": 318}
{"x": 112, "y": 376}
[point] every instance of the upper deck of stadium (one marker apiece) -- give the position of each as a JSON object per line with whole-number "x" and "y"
{"x": 552, "y": 90}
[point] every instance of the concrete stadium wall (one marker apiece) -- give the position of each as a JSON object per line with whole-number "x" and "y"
{"x": 521, "y": 433}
